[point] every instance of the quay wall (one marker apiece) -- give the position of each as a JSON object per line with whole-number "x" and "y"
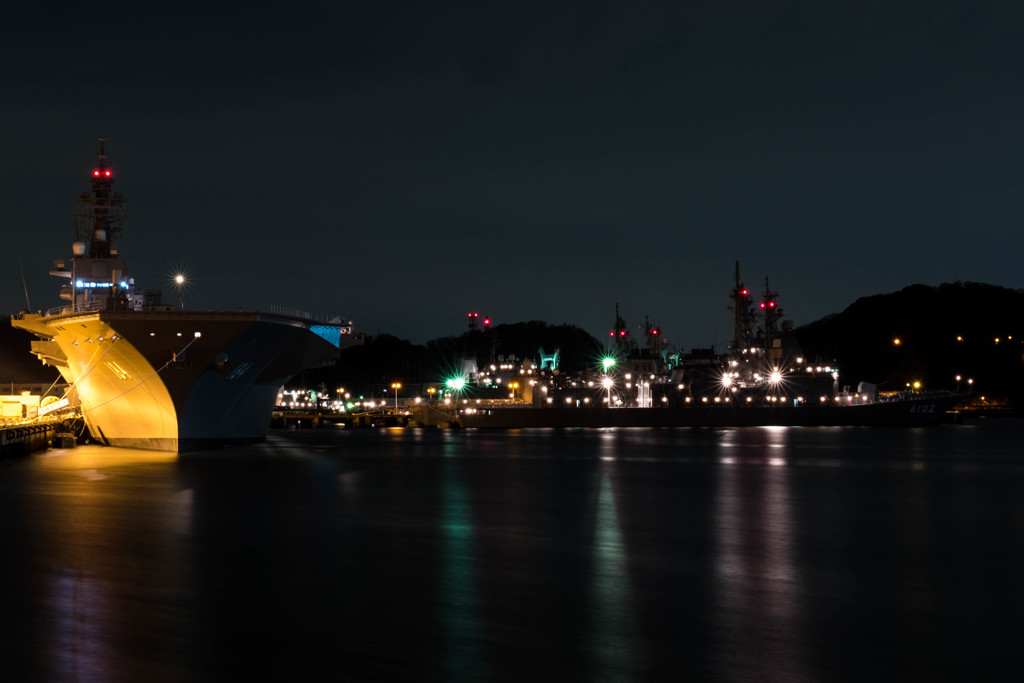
{"x": 23, "y": 440}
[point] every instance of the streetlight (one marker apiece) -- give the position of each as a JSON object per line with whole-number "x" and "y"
{"x": 607, "y": 384}
{"x": 513, "y": 386}
{"x": 179, "y": 282}
{"x": 396, "y": 386}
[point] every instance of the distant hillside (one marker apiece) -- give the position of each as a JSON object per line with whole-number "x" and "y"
{"x": 578, "y": 349}
{"x": 943, "y": 331}
{"x": 17, "y": 364}
{"x": 370, "y": 369}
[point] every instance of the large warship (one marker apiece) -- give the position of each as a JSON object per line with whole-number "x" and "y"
{"x": 148, "y": 375}
{"x": 764, "y": 379}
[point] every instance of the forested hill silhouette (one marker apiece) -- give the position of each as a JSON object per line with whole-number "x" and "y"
{"x": 927, "y": 334}
{"x": 370, "y": 368}
{"x": 578, "y": 349}
{"x": 17, "y": 364}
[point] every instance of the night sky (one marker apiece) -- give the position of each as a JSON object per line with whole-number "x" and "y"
{"x": 401, "y": 164}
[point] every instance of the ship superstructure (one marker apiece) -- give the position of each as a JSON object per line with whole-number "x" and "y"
{"x": 763, "y": 379}
{"x": 146, "y": 375}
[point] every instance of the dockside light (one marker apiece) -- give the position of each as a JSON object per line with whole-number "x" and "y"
{"x": 456, "y": 383}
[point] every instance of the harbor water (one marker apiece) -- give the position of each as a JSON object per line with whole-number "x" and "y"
{"x": 767, "y": 554}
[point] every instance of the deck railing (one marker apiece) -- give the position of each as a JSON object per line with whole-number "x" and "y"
{"x": 101, "y": 305}
{"x": 87, "y": 307}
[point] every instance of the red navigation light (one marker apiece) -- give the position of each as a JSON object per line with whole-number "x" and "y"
{"x": 744, "y": 292}
{"x": 654, "y": 331}
{"x": 612, "y": 333}
{"x": 762, "y": 304}
{"x": 96, "y": 173}
{"x": 487, "y": 321}
{"x": 771, "y": 305}
{"x": 622, "y": 333}
{"x": 106, "y": 173}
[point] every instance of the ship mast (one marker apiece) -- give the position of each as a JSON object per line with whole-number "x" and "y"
{"x": 99, "y": 214}
{"x": 621, "y": 341}
{"x": 651, "y": 333}
{"x": 772, "y": 313}
{"x": 743, "y": 315}
{"x": 98, "y": 276}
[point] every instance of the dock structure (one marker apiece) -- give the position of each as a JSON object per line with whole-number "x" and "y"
{"x": 25, "y": 439}
{"x": 424, "y": 415}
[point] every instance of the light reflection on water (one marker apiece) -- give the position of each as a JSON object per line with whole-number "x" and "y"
{"x": 779, "y": 554}
{"x": 76, "y": 610}
{"x": 755, "y": 538}
{"x": 458, "y": 590}
{"x": 78, "y": 503}
{"x": 613, "y": 635}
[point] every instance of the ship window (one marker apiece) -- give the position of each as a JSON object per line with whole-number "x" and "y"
{"x": 240, "y": 370}
{"x": 117, "y": 370}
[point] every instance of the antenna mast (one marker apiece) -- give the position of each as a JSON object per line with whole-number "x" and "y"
{"x": 743, "y": 318}
{"x": 99, "y": 214}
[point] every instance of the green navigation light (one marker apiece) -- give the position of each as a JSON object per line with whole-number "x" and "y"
{"x": 607, "y": 363}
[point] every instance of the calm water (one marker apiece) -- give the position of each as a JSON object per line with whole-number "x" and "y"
{"x": 769, "y": 554}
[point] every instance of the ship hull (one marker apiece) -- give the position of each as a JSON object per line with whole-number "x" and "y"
{"x": 906, "y": 412}
{"x": 176, "y": 380}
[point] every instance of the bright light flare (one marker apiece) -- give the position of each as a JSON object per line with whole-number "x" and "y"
{"x": 456, "y": 383}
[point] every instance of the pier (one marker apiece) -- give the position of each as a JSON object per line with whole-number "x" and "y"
{"x": 424, "y": 415}
{"x": 23, "y": 440}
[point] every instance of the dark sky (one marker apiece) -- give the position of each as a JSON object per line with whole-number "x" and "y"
{"x": 401, "y": 164}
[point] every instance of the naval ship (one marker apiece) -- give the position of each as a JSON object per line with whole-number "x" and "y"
{"x": 148, "y": 375}
{"x": 763, "y": 380}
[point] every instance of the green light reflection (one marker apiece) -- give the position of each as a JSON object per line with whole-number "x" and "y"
{"x": 459, "y": 585}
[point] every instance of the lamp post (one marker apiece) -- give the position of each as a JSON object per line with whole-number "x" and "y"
{"x": 179, "y": 281}
{"x": 607, "y": 384}
{"x": 396, "y": 386}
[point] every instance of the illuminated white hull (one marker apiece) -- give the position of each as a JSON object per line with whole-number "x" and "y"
{"x": 148, "y": 380}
